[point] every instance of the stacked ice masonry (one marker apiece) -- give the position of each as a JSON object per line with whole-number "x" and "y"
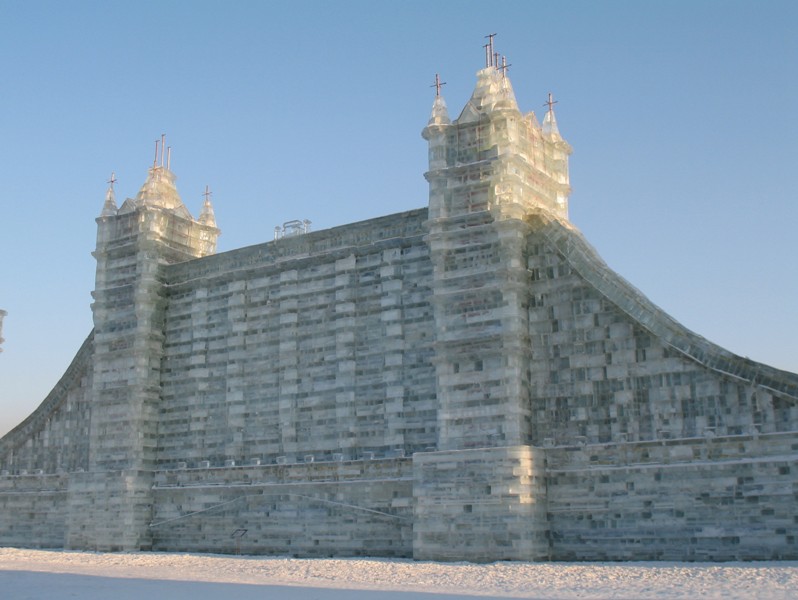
{"x": 463, "y": 381}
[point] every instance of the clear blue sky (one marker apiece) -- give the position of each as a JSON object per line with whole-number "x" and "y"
{"x": 682, "y": 116}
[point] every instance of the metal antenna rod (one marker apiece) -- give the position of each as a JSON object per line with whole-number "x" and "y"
{"x": 490, "y": 37}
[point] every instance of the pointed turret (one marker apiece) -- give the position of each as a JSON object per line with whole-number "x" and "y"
{"x": 207, "y": 217}
{"x": 440, "y": 114}
{"x": 550, "y": 121}
{"x": 437, "y": 126}
{"x": 506, "y": 99}
{"x": 439, "y": 118}
{"x": 557, "y": 157}
{"x": 109, "y": 207}
{"x": 159, "y": 189}
{"x": 492, "y": 92}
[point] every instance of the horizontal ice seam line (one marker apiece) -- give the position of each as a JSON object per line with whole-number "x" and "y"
{"x": 676, "y": 464}
{"x": 256, "y": 484}
{"x": 312, "y": 498}
{"x": 28, "y": 492}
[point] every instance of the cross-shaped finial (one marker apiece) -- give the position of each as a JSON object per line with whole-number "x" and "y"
{"x": 504, "y": 66}
{"x": 550, "y": 103}
{"x": 437, "y": 85}
{"x": 207, "y": 194}
{"x": 112, "y": 181}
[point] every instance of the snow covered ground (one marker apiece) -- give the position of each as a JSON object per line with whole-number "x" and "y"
{"x": 38, "y": 574}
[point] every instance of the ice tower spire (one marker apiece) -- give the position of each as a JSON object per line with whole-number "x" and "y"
{"x": 493, "y": 90}
{"x": 550, "y": 121}
{"x": 206, "y": 216}
{"x": 440, "y": 114}
{"x": 159, "y": 189}
{"x": 109, "y": 208}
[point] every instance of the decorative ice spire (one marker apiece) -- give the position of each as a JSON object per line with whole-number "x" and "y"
{"x": 440, "y": 114}
{"x": 206, "y": 215}
{"x": 160, "y": 189}
{"x": 109, "y": 208}
{"x": 550, "y": 121}
{"x": 506, "y": 94}
{"x": 493, "y": 90}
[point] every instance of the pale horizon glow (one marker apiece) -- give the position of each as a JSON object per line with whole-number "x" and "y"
{"x": 681, "y": 115}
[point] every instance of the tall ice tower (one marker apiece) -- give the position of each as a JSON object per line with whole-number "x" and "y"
{"x": 489, "y": 171}
{"x": 133, "y": 243}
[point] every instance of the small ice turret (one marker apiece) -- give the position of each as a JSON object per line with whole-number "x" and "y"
{"x": 435, "y": 133}
{"x": 207, "y": 217}
{"x": 109, "y": 207}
